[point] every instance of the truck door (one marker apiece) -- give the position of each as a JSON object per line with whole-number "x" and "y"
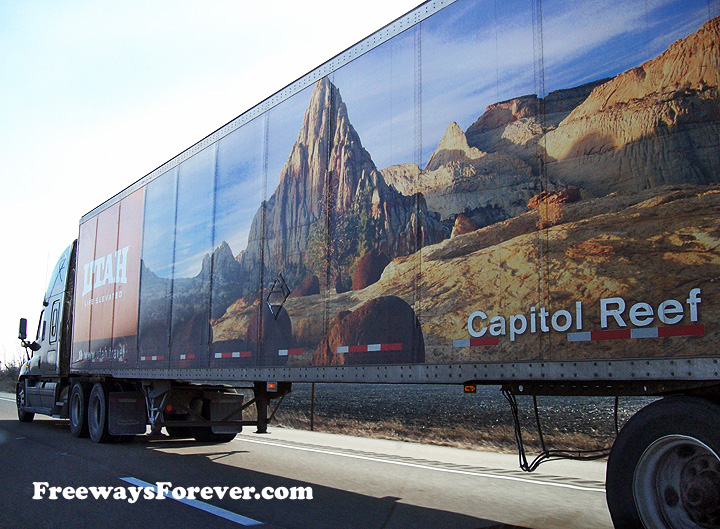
{"x": 49, "y": 363}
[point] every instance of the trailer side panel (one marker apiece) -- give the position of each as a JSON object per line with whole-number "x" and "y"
{"x": 475, "y": 186}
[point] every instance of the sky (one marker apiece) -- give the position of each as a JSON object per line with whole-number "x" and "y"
{"x": 95, "y": 95}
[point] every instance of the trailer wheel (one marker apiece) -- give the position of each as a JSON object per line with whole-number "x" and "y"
{"x": 23, "y": 416}
{"x": 98, "y": 415}
{"x": 205, "y": 434}
{"x": 664, "y": 468}
{"x": 77, "y": 409}
{"x": 179, "y": 432}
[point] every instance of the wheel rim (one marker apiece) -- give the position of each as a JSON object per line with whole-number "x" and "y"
{"x": 677, "y": 484}
{"x": 20, "y": 398}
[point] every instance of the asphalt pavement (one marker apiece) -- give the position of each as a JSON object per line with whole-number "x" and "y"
{"x": 354, "y": 482}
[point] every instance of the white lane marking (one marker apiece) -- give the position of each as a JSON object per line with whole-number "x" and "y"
{"x": 426, "y": 467}
{"x": 217, "y": 511}
{"x": 9, "y": 400}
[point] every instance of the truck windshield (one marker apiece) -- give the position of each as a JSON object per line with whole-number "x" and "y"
{"x": 37, "y": 334}
{"x": 59, "y": 274}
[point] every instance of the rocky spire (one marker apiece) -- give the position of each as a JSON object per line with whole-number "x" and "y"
{"x": 329, "y": 172}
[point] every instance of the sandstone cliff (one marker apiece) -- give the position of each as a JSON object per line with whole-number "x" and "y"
{"x": 517, "y": 125}
{"x": 652, "y": 125}
{"x": 604, "y": 247}
{"x": 458, "y": 178}
{"x": 331, "y": 180}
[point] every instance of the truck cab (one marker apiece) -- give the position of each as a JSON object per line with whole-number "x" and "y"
{"x": 40, "y": 383}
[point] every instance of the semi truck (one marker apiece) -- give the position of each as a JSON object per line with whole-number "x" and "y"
{"x": 524, "y": 194}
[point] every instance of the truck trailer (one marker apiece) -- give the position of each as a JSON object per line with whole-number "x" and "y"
{"x": 524, "y": 194}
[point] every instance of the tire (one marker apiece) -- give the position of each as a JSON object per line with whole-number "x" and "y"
{"x": 78, "y": 408}
{"x": 98, "y": 415}
{"x": 179, "y": 432}
{"x": 664, "y": 468}
{"x": 23, "y": 416}
{"x": 205, "y": 434}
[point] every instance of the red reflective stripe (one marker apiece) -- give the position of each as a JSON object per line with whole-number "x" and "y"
{"x": 238, "y": 354}
{"x": 294, "y": 351}
{"x": 682, "y": 330}
{"x": 610, "y": 335}
{"x": 474, "y": 342}
{"x": 372, "y": 348}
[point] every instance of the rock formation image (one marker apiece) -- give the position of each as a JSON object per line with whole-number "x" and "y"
{"x": 655, "y": 124}
{"x": 397, "y": 333}
{"x": 309, "y": 287}
{"x": 487, "y": 187}
{"x": 541, "y": 208}
{"x": 225, "y": 272}
{"x": 462, "y": 226}
{"x": 369, "y": 269}
{"x": 330, "y": 182}
{"x": 268, "y": 333}
{"x": 194, "y": 303}
{"x": 549, "y": 205}
{"x": 645, "y": 247}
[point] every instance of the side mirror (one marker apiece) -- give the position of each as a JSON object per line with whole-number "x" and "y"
{"x": 22, "y": 334}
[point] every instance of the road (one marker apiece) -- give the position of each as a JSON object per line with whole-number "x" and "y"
{"x": 356, "y": 482}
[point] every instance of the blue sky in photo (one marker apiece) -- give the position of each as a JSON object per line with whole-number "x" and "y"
{"x": 239, "y": 184}
{"x": 159, "y": 224}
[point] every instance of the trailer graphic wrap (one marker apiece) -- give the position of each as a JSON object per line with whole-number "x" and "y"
{"x": 107, "y": 286}
{"x": 457, "y": 194}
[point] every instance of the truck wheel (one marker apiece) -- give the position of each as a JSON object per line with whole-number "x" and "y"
{"x": 23, "y": 416}
{"x": 98, "y": 415}
{"x": 77, "y": 409}
{"x": 664, "y": 468}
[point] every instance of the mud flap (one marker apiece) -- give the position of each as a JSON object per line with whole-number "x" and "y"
{"x": 223, "y": 408}
{"x": 127, "y": 414}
